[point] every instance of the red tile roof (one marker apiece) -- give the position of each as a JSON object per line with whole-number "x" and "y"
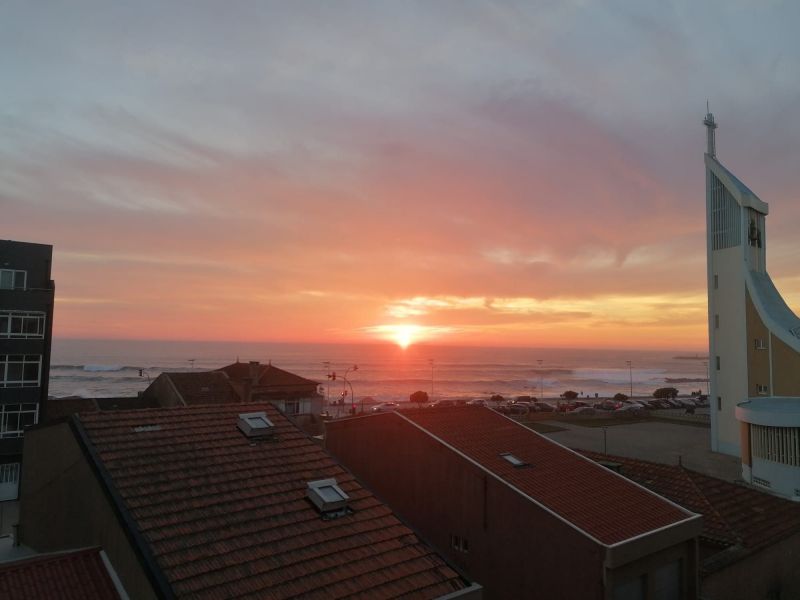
{"x": 598, "y": 502}
{"x": 224, "y": 516}
{"x": 79, "y": 575}
{"x": 732, "y": 514}
{"x": 204, "y": 387}
{"x": 269, "y": 375}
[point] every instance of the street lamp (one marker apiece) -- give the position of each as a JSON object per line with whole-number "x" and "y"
{"x": 541, "y": 382}
{"x": 430, "y": 360}
{"x": 327, "y": 365}
{"x": 352, "y": 395}
{"x": 630, "y": 373}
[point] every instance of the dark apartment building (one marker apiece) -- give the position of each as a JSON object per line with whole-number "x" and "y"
{"x": 26, "y": 329}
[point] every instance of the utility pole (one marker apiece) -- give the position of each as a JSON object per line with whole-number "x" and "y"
{"x": 630, "y": 373}
{"x": 541, "y": 381}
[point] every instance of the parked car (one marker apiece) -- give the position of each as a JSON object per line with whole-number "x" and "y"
{"x": 631, "y": 409}
{"x": 584, "y": 410}
{"x": 607, "y": 405}
{"x": 518, "y": 409}
{"x": 477, "y": 402}
{"x": 442, "y": 403}
{"x": 385, "y": 407}
{"x": 543, "y": 407}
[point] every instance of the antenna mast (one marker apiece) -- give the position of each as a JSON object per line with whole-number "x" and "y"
{"x": 710, "y": 126}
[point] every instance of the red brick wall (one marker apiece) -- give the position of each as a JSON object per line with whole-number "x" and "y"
{"x": 516, "y": 549}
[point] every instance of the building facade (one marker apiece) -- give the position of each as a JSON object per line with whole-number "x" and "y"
{"x": 521, "y": 514}
{"x": 26, "y": 330}
{"x": 754, "y": 337}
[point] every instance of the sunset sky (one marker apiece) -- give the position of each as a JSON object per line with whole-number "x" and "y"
{"x": 507, "y": 173}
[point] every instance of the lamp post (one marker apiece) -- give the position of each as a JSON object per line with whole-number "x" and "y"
{"x": 630, "y": 373}
{"x": 346, "y": 383}
{"x": 541, "y": 381}
{"x": 327, "y": 365}
{"x": 430, "y": 360}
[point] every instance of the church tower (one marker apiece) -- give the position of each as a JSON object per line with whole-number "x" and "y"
{"x": 754, "y": 338}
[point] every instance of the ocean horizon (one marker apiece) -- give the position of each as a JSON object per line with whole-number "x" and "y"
{"x": 109, "y": 368}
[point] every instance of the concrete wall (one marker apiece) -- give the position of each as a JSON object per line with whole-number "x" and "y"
{"x": 729, "y": 342}
{"x": 785, "y": 369}
{"x": 62, "y": 506}
{"x": 770, "y": 574}
{"x": 515, "y": 549}
{"x": 759, "y": 371}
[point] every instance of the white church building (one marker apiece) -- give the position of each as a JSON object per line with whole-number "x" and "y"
{"x": 754, "y": 337}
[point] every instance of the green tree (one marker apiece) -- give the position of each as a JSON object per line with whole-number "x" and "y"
{"x": 570, "y": 395}
{"x": 497, "y": 398}
{"x": 419, "y": 397}
{"x": 665, "y": 392}
{"x": 620, "y": 397}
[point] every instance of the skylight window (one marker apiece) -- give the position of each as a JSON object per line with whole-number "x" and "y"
{"x": 255, "y": 424}
{"x": 514, "y": 460}
{"x": 149, "y": 427}
{"x": 328, "y": 497}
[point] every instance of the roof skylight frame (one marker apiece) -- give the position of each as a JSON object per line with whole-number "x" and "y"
{"x": 255, "y": 424}
{"x": 327, "y": 496}
{"x": 516, "y": 462}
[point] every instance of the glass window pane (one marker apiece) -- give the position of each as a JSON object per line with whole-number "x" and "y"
{"x": 12, "y": 422}
{"x": 31, "y": 372}
{"x": 19, "y": 279}
{"x": 14, "y": 372}
{"x": 30, "y": 325}
{"x": 16, "y": 325}
{"x": 4, "y": 322}
{"x": 6, "y": 280}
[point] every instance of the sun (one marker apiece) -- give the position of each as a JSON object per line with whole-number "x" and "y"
{"x": 405, "y": 335}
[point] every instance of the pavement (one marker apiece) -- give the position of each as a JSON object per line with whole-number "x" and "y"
{"x": 654, "y": 441}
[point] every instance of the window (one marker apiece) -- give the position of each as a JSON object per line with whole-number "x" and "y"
{"x": 761, "y": 344}
{"x": 716, "y": 282}
{"x": 292, "y": 407}
{"x": 513, "y": 460}
{"x": 9, "y": 481}
{"x": 459, "y": 543}
{"x": 634, "y": 589}
{"x": 11, "y": 279}
{"x": 14, "y": 418}
{"x": 21, "y": 324}
{"x": 725, "y": 217}
{"x": 718, "y": 363}
{"x": 20, "y": 370}
{"x": 762, "y": 390}
{"x": 716, "y": 321}
{"x": 667, "y": 582}
{"x": 719, "y": 402}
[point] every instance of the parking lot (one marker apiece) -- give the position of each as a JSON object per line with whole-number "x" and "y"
{"x": 657, "y": 441}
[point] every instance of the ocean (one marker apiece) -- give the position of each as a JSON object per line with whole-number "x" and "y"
{"x": 106, "y": 368}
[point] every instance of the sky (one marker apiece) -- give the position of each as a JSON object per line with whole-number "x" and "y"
{"x": 493, "y": 173}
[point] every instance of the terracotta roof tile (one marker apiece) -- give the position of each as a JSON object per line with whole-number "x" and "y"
{"x": 225, "y": 516}
{"x": 79, "y": 575}
{"x": 732, "y": 514}
{"x": 595, "y": 500}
